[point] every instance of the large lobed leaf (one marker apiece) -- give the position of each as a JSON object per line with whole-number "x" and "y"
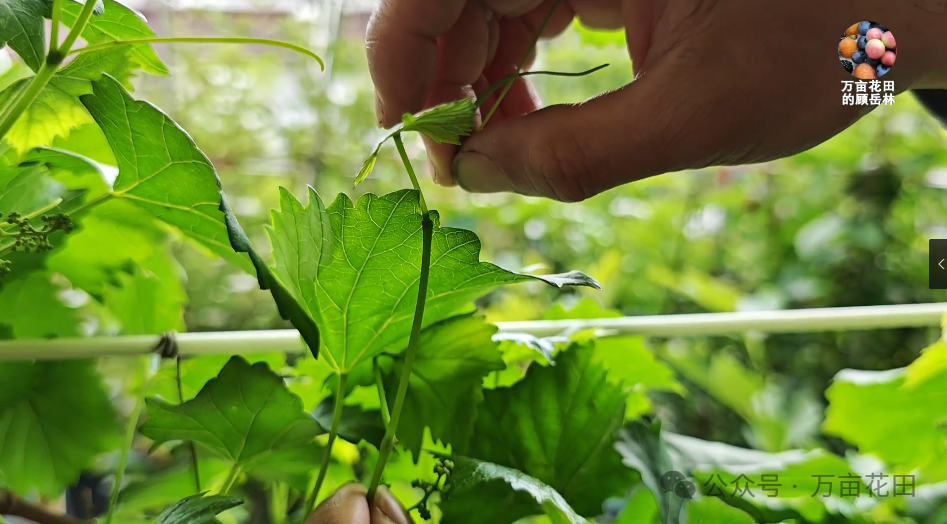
{"x": 354, "y": 268}
{"x": 55, "y": 419}
{"x": 558, "y": 425}
{"x": 197, "y": 509}
{"x": 896, "y": 415}
{"x": 160, "y": 168}
{"x": 485, "y": 492}
{"x": 445, "y": 387}
{"x": 246, "y": 415}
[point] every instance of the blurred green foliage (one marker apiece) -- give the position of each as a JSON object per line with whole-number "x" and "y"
{"x": 844, "y": 224}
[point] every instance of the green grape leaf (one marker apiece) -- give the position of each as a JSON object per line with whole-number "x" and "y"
{"x": 632, "y": 365}
{"x": 932, "y": 364}
{"x": 356, "y": 424}
{"x": 76, "y": 78}
{"x": 22, "y": 28}
{"x": 883, "y": 414}
{"x": 288, "y": 306}
{"x": 24, "y": 189}
{"x": 711, "y": 510}
{"x": 197, "y": 372}
{"x": 198, "y": 509}
{"x": 444, "y": 124}
{"x": 142, "y": 304}
{"x": 558, "y": 425}
{"x": 91, "y": 258}
{"x": 717, "y": 467}
{"x": 359, "y": 283}
{"x": 160, "y": 168}
{"x": 485, "y": 492}
{"x": 642, "y": 448}
{"x": 445, "y": 388}
{"x": 54, "y": 113}
{"x": 55, "y": 418}
{"x": 31, "y": 307}
{"x": 119, "y": 22}
{"x": 245, "y": 415}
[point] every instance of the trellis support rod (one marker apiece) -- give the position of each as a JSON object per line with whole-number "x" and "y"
{"x": 701, "y": 324}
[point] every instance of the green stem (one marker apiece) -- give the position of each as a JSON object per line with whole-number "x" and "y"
{"x": 202, "y": 40}
{"x": 407, "y": 165}
{"x": 380, "y": 386}
{"x": 427, "y": 233}
{"x": 333, "y": 432}
{"x": 482, "y": 97}
{"x": 522, "y": 63}
{"x": 54, "y": 27}
{"x": 54, "y": 58}
{"x": 231, "y": 478}
{"x": 77, "y": 29}
{"x": 123, "y": 459}
{"x": 190, "y": 443}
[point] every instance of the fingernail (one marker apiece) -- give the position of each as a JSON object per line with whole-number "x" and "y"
{"x": 477, "y": 173}
{"x": 390, "y": 507}
{"x": 379, "y": 111}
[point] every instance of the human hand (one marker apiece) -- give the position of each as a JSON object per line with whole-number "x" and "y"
{"x": 349, "y": 505}
{"x": 718, "y": 82}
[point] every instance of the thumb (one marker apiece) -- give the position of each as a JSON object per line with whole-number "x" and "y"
{"x": 348, "y": 505}
{"x": 572, "y": 152}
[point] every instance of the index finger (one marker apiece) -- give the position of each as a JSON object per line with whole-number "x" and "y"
{"x": 401, "y": 42}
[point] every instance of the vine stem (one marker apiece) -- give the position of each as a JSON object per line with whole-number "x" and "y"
{"x": 382, "y": 398}
{"x": 190, "y": 443}
{"x": 333, "y": 433}
{"x": 53, "y": 59}
{"x": 522, "y": 63}
{"x": 130, "y": 428}
{"x": 200, "y": 40}
{"x": 427, "y": 233}
{"x": 407, "y": 165}
{"x": 54, "y": 26}
{"x": 231, "y": 479}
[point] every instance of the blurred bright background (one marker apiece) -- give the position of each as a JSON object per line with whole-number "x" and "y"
{"x": 845, "y": 224}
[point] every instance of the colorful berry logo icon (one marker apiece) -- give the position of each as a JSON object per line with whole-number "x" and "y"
{"x": 867, "y": 50}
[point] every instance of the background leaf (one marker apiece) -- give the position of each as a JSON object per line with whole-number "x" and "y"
{"x": 368, "y": 279}
{"x": 55, "y": 419}
{"x": 511, "y": 494}
{"x": 445, "y": 388}
{"x": 558, "y": 425}
{"x": 198, "y": 509}
{"x": 165, "y": 174}
{"x": 245, "y": 414}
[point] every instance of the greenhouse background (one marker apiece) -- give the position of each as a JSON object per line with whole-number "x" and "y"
{"x": 844, "y": 224}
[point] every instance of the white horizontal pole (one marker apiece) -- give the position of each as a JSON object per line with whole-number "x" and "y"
{"x": 701, "y": 324}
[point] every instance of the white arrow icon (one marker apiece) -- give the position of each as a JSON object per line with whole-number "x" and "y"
{"x": 941, "y": 263}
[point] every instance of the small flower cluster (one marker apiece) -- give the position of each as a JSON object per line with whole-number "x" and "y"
{"x": 30, "y": 239}
{"x": 442, "y": 469}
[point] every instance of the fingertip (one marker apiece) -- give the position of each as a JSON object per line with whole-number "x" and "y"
{"x": 440, "y": 157}
{"x": 387, "y": 510}
{"x": 477, "y": 173}
{"x": 348, "y": 505}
